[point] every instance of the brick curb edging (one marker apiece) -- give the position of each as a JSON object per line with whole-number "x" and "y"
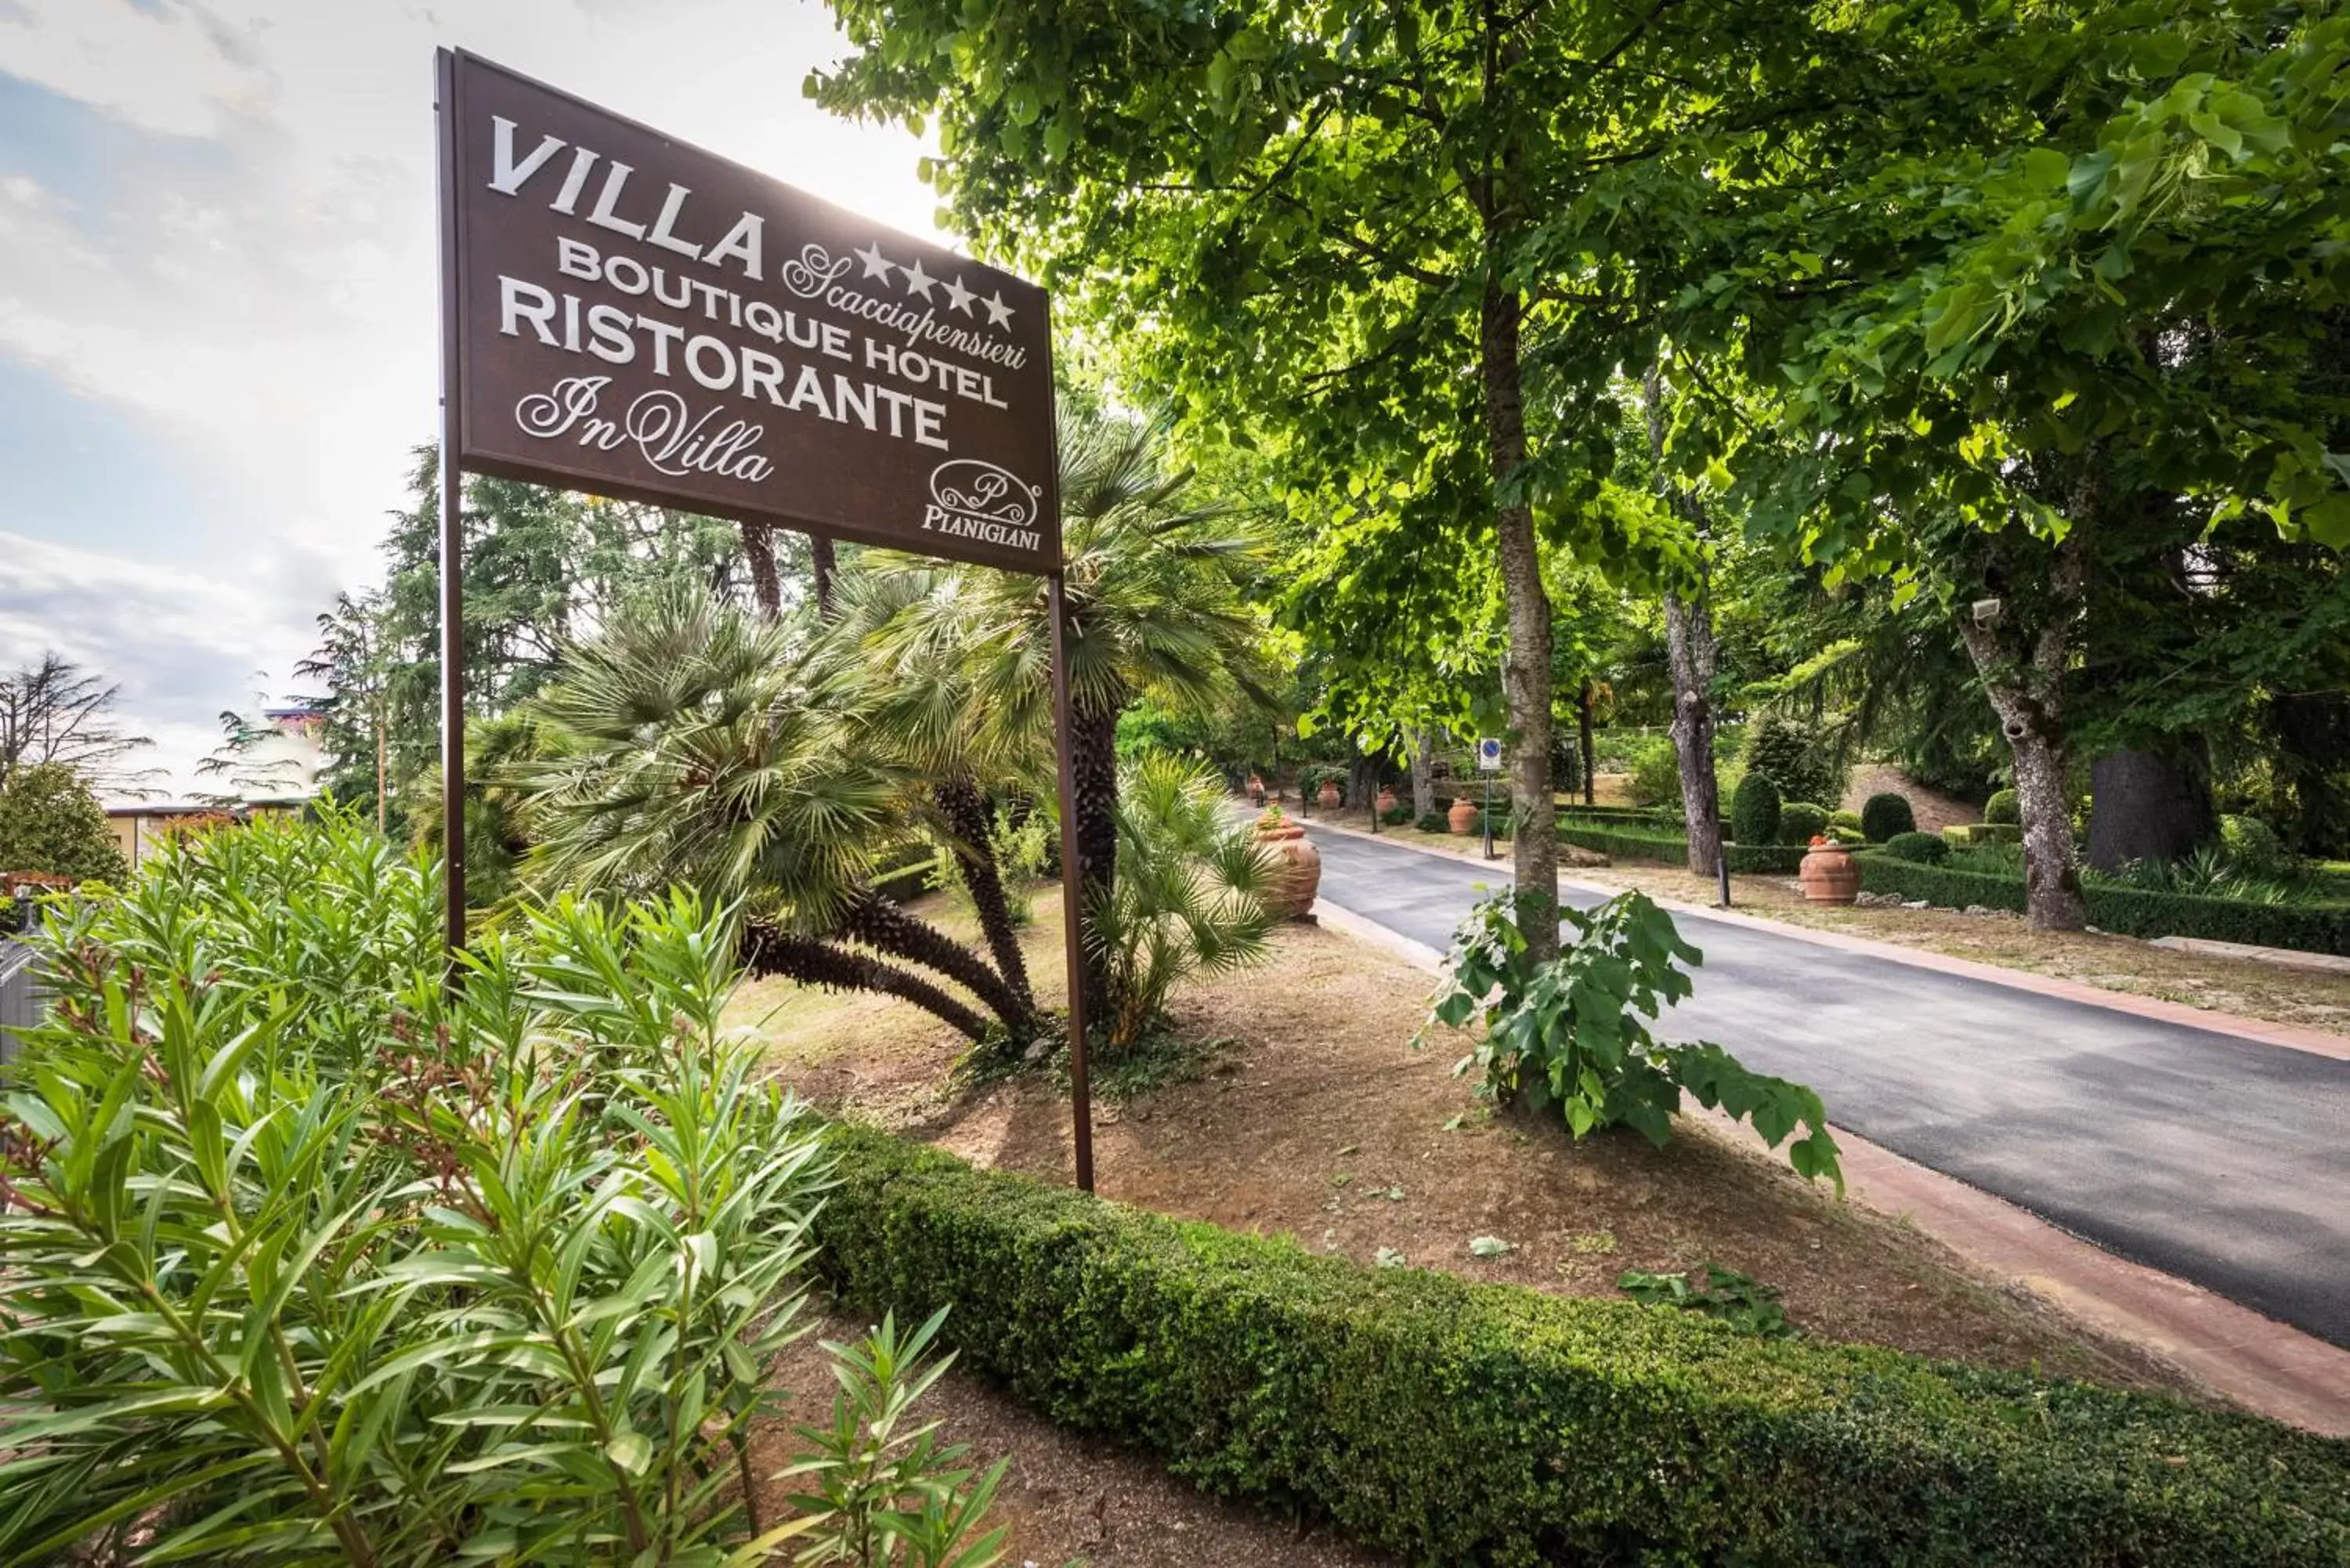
{"x": 2260, "y": 1031}
{"x": 2255, "y": 1361}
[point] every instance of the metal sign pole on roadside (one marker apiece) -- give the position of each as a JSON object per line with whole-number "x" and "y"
{"x": 453, "y": 527}
{"x": 1081, "y": 1114}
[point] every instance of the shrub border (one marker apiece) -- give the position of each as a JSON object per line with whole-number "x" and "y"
{"x": 2127, "y": 911}
{"x": 1672, "y": 848}
{"x": 1452, "y": 1423}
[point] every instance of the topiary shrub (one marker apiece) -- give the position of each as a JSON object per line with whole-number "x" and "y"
{"x": 1396, "y": 814}
{"x": 2002, "y": 808}
{"x": 1434, "y": 822}
{"x": 2253, "y": 846}
{"x": 1886, "y": 815}
{"x": 1800, "y": 822}
{"x": 1924, "y": 849}
{"x": 1791, "y": 755}
{"x": 1755, "y": 811}
{"x": 1849, "y": 820}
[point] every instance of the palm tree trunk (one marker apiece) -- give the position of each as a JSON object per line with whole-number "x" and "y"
{"x": 759, "y": 549}
{"x": 768, "y": 949}
{"x": 876, "y": 921}
{"x": 825, "y": 566}
{"x": 1093, "y": 764}
{"x": 965, "y": 810}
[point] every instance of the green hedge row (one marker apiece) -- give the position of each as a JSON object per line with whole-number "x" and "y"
{"x": 2130, "y": 912}
{"x": 1643, "y": 815}
{"x": 1452, "y": 1423}
{"x": 1632, "y": 843}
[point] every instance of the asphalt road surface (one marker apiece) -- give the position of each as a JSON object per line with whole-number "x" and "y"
{"x": 2221, "y": 1160}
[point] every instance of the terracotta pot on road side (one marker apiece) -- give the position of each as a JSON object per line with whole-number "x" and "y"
{"x": 1386, "y": 801}
{"x": 1462, "y": 817}
{"x": 1256, "y": 788}
{"x": 1328, "y": 798}
{"x": 1830, "y": 875}
{"x": 1300, "y": 874}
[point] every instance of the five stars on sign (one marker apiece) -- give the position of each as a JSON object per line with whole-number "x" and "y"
{"x": 920, "y": 282}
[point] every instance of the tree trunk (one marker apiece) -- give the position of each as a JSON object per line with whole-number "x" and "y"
{"x": 965, "y": 810}
{"x": 827, "y": 566}
{"x": 1363, "y": 782}
{"x": 1423, "y": 774}
{"x": 768, "y": 949}
{"x": 759, "y": 549}
{"x": 1525, "y": 664}
{"x": 2027, "y": 692}
{"x": 1093, "y": 764}
{"x": 2146, "y": 805}
{"x": 876, "y": 923}
{"x": 1693, "y": 656}
{"x": 1590, "y": 750}
{"x": 1692, "y": 652}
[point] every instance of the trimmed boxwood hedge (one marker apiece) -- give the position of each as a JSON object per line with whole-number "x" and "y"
{"x": 1455, "y": 1423}
{"x": 1625, "y": 843}
{"x": 2129, "y": 911}
{"x": 1652, "y": 817}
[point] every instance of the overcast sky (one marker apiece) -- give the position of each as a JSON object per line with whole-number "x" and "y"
{"x": 218, "y": 329}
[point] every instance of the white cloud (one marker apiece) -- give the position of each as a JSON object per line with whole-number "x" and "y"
{"x": 256, "y": 281}
{"x": 183, "y": 645}
{"x": 176, "y": 67}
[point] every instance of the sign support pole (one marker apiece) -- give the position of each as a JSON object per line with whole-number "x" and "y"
{"x": 1081, "y": 1109}
{"x": 452, "y": 529}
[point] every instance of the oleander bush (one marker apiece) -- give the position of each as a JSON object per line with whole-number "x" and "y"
{"x": 1754, "y": 809}
{"x": 1885, "y": 814}
{"x": 310, "y": 1260}
{"x": 1451, "y": 1423}
{"x": 1800, "y": 822}
{"x": 1926, "y": 848}
{"x": 1434, "y": 822}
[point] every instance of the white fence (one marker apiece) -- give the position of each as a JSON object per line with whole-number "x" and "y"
{"x": 21, "y": 999}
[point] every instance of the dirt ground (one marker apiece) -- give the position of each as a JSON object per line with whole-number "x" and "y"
{"x": 1314, "y": 1114}
{"x": 2310, "y": 998}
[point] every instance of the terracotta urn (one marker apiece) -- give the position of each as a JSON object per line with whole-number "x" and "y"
{"x": 1256, "y": 788}
{"x": 1327, "y": 797}
{"x": 1829, "y": 874}
{"x": 1299, "y": 876}
{"x": 1386, "y": 800}
{"x": 1462, "y": 817}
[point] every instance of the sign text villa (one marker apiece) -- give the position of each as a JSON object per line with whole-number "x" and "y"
{"x": 640, "y": 318}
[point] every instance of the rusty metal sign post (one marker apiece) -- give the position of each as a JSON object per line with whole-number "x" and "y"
{"x": 629, "y": 316}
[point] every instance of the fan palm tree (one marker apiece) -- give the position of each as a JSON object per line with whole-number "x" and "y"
{"x": 888, "y": 662}
{"x": 1154, "y": 607}
{"x": 692, "y": 753}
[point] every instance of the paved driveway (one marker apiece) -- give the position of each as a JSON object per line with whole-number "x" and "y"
{"x": 2221, "y": 1160}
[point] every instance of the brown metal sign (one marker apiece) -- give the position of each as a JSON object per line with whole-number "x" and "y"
{"x": 639, "y": 318}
